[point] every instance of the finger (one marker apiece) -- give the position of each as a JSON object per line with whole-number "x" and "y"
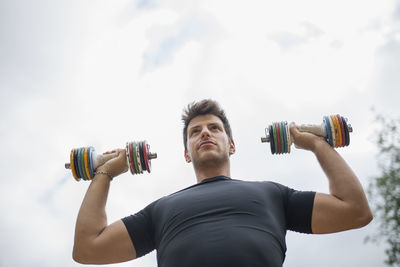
{"x": 112, "y": 151}
{"x": 293, "y": 129}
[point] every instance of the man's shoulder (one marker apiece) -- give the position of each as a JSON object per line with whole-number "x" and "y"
{"x": 262, "y": 183}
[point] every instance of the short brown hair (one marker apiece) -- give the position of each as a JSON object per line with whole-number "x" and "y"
{"x": 204, "y": 107}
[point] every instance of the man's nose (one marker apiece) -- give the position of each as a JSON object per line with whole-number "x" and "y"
{"x": 205, "y": 132}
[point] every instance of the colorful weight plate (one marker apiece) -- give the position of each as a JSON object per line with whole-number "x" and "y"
{"x": 289, "y": 137}
{"x": 337, "y": 131}
{"x": 271, "y": 139}
{"x": 147, "y": 161}
{"x": 134, "y": 156}
{"x": 282, "y": 138}
{"x": 131, "y": 158}
{"x": 86, "y": 162}
{"x": 275, "y": 138}
{"x": 278, "y": 137}
{"x": 91, "y": 166}
{"x": 77, "y": 169}
{"x": 141, "y": 155}
{"x": 328, "y": 131}
{"x": 332, "y": 131}
{"x": 79, "y": 164}
{"x": 138, "y": 158}
{"x": 82, "y": 163}
{"x": 346, "y": 130}
{"x": 71, "y": 160}
{"x": 286, "y": 133}
{"x": 127, "y": 157}
{"x": 342, "y": 134}
{"x": 274, "y": 132}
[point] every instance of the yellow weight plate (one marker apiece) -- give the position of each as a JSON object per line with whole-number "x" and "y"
{"x": 339, "y": 131}
{"x": 336, "y": 128}
{"x": 85, "y": 161}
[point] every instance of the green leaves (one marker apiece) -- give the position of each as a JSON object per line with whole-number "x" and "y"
{"x": 384, "y": 190}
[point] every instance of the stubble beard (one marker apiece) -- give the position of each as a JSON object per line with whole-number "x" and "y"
{"x": 211, "y": 161}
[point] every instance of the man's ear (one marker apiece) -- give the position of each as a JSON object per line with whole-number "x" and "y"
{"x": 187, "y": 157}
{"x": 232, "y": 148}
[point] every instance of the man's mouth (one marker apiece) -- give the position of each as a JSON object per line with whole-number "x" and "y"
{"x": 205, "y": 143}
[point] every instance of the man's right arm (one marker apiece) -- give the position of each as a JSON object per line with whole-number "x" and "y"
{"x": 95, "y": 241}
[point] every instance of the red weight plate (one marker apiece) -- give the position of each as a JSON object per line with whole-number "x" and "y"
{"x": 346, "y": 131}
{"x": 146, "y": 156}
{"x": 278, "y": 136}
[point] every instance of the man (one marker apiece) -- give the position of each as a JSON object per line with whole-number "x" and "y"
{"x": 219, "y": 221}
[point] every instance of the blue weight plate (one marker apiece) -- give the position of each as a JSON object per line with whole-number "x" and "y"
{"x": 78, "y": 159}
{"x": 328, "y": 131}
{"x": 82, "y": 163}
{"x": 76, "y": 163}
{"x": 142, "y": 156}
{"x": 90, "y": 157}
{"x": 285, "y": 140}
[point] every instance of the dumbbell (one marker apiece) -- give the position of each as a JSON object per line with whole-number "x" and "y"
{"x": 85, "y": 160}
{"x": 334, "y": 129}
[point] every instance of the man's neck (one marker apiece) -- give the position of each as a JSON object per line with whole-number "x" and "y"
{"x": 204, "y": 173}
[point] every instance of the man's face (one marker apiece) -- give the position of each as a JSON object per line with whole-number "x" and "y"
{"x": 207, "y": 141}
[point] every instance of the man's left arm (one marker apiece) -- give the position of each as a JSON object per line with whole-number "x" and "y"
{"x": 346, "y": 207}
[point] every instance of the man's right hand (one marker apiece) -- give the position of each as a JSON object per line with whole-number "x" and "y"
{"x": 116, "y": 165}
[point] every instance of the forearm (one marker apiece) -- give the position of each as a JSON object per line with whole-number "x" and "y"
{"x": 92, "y": 218}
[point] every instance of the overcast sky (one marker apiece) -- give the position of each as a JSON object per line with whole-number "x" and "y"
{"x": 101, "y": 73}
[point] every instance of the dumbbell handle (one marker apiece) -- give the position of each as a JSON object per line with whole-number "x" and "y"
{"x": 103, "y": 158}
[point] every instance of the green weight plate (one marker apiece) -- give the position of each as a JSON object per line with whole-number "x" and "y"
{"x": 285, "y": 138}
{"x": 134, "y": 156}
{"x": 131, "y": 158}
{"x": 82, "y": 163}
{"x": 275, "y": 138}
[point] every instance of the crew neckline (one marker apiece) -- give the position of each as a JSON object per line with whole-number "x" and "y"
{"x": 215, "y": 178}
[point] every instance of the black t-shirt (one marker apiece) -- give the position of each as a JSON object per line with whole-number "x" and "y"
{"x": 221, "y": 222}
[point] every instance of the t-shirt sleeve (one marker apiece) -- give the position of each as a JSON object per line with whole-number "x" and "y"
{"x": 141, "y": 230}
{"x": 299, "y": 206}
